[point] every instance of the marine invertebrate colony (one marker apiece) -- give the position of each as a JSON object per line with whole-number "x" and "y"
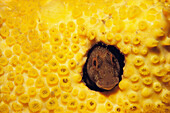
{"x": 43, "y": 46}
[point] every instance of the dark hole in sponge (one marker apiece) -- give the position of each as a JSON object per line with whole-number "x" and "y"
{"x": 119, "y": 56}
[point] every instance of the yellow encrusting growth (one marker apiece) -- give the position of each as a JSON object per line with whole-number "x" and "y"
{"x": 35, "y": 106}
{"x": 44, "y": 45}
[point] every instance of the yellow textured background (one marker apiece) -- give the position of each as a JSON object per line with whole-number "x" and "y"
{"x": 43, "y": 46}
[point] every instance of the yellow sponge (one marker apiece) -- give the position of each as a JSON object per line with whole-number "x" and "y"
{"x": 44, "y": 45}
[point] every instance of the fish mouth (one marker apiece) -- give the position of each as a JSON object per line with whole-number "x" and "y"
{"x": 103, "y": 84}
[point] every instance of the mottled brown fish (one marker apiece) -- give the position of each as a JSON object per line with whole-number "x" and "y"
{"x": 103, "y": 68}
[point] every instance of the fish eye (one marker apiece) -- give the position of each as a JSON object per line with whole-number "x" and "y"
{"x": 94, "y": 62}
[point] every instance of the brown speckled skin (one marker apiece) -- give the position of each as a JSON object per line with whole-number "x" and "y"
{"x": 103, "y": 68}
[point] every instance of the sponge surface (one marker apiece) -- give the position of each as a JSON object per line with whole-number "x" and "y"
{"x": 43, "y": 46}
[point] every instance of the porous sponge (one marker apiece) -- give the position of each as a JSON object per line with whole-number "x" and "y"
{"x": 43, "y": 46}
